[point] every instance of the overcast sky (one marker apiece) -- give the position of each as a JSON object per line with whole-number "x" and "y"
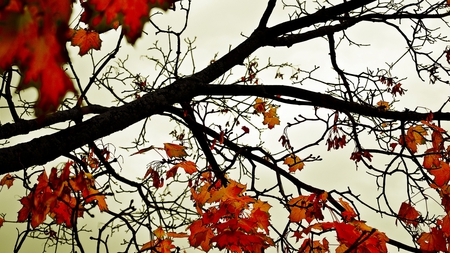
{"x": 217, "y": 25}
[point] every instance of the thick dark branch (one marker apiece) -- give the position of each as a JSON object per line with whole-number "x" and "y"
{"x": 316, "y": 99}
{"x": 263, "y": 37}
{"x": 47, "y": 148}
{"x": 9, "y": 130}
{"x": 267, "y": 13}
{"x": 323, "y": 15}
{"x": 292, "y": 39}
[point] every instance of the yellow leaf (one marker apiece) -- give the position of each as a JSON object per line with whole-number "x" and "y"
{"x": 383, "y": 105}
{"x": 270, "y": 117}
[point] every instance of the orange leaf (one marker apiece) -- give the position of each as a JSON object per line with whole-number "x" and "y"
{"x": 260, "y": 212}
{"x": 233, "y": 190}
{"x": 260, "y": 105}
{"x": 86, "y": 40}
{"x": 301, "y": 208}
{"x": 177, "y": 235}
{"x": 174, "y": 150}
{"x": 349, "y": 213}
{"x": 188, "y": 166}
{"x": 95, "y": 194}
{"x": 270, "y": 118}
{"x": 314, "y": 246}
{"x": 7, "y": 180}
{"x": 413, "y": 137}
{"x": 294, "y": 163}
{"x": 159, "y": 232}
{"x": 408, "y": 214}
{"x": 431, "y": 159}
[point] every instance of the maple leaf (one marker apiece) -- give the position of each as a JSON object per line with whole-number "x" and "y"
{"x": 294, "y": 163}
{"x": 441, "y": 173}
{"x": 431, "y": 159}
{"x": 85, "y": 40}
{"x": 159, "y": 232}
{"x": 200, "y": 235}
{"x": 94, "y": 194}
{"x": 188, "y": 166}
{"x": 349, "y": 213}
{"x": 260, "y": 105}
{"x": 413, "y": 137}
{"x": 302, "y": 208}
{"x": 383, "y": 105}
{"x": 260, "y": 212}
{"x": 38, "y": 37}
{"x": 433, "y": 241}
{"x": 446, "y": 226}
{"x": 408, "y": 214}
{"x": 158, "y": 182}
{"x": 174, "y": 150}
{"x": 158, "y": 245}
{"x": 314, "y": 246}
{"x": 270, "y": 117}
{"x": 346, "y": 233}
{"x": 437, "y": 140}
{"x": 7, "y": 180}
{"x": 103, "y": 15}
{"x": 233, "y": 190}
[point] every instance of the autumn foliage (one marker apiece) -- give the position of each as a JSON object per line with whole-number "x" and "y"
{"x": 219, "y": 205}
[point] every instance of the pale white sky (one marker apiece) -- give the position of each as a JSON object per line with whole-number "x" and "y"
{"x": 217, "y": 24}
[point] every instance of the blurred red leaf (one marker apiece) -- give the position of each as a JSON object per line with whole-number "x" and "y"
{"x": 103, "y": 15}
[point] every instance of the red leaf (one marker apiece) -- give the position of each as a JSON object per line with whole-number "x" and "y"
{"x": 103, "y": 15}
{"x": 86, "y": 40}
{"x": 245, "y": 129}
{"x": 433, "y": 241}
{"x": 36, "y": 45}
{"x": 200, "y": 235}
{"x": 441, "y": 173}
{"x": 408, "y": 214}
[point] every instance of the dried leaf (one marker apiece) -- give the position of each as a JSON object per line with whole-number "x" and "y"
{"x": 174, "y": 150}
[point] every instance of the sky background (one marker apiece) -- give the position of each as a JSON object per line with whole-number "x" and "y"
{"x": 216, "y": 25}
